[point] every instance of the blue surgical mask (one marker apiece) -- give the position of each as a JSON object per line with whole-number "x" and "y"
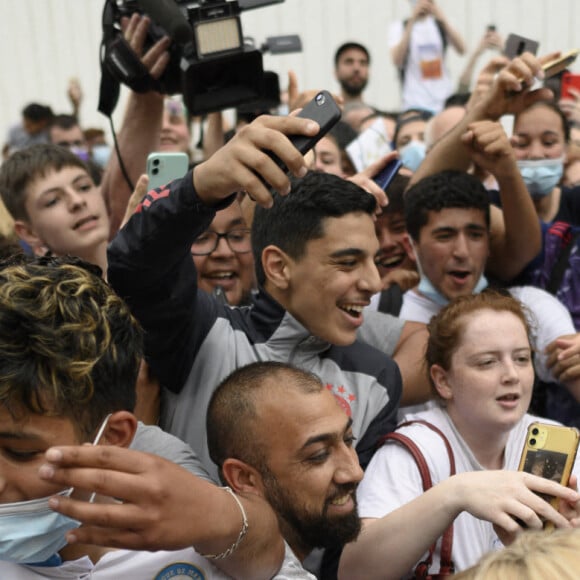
{"x": 413, "y": 154}
{"x": 30, "y": 532}
{"x": 541, "y": 176}
{"x": 100, "y": 154}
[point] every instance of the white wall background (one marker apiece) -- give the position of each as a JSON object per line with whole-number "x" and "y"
{"x": 46, "y": 42}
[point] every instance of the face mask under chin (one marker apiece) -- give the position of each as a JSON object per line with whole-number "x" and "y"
{"x": 427, "y": 288}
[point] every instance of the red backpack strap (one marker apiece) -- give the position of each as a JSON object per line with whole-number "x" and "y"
{"x": 447, "y": 567}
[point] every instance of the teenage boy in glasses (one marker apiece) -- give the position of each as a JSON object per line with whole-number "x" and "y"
{"x": 223, "y": 256}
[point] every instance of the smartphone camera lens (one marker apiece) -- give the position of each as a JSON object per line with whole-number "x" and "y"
{"x": 156, "y": 162}
{"x": 535, "y": 431}
{"x": 320, "y": 99}
{"x": 532, "y": 441}
{"x": 155, "y": 171}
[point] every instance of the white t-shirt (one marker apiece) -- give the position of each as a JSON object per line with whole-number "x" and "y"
{"x": 131, "y": 565}
{"x": 122, "y": 564}
{"x": 551, "y": 319}
{"x": 427, "y": 81}
{"x": 392, "y": 479}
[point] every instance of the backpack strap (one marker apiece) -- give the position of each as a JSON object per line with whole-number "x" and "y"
{"x": 562, "y": 263}
{"x": 447, "y": 566}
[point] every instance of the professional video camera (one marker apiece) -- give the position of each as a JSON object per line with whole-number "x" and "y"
{"x": 211, "y": 63}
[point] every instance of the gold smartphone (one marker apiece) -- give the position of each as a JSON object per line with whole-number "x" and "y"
{"x": 550, "y": 452}
{"x": 557, "y": 65}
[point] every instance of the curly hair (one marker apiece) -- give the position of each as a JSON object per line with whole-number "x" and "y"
{"x": 443, "y": 190}
{"x": 69, "y": 346}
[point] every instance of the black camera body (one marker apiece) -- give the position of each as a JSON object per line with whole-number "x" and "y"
{"x": 210, "y": 63}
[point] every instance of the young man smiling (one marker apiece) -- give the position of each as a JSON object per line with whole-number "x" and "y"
{"x": 314, "y": 253}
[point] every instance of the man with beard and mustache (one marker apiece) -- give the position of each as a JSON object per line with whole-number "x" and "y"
{"x": 277, "y": 431}
{"x": 351, "y": 69}
{"x": 274, "y": 431}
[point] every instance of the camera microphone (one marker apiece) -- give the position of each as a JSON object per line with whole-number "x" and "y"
{"x": 169, "y": 16}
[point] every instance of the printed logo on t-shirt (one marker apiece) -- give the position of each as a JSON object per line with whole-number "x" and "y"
{"x": 430, "y": 61}
{"x": 180, "y": 571}
{"x": 344, "y": 398}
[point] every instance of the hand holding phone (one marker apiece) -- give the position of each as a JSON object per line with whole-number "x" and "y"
{"x": 550, "y": 451}
{"x": 164, "y": 167}
{"x": 384, "y": 177}
{"x": 322, "y": 109}
{"x": 516, "y": 45}
{"x": 557, "y": 65}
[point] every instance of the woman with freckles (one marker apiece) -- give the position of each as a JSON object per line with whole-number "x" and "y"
{"x": 480, "y": 366}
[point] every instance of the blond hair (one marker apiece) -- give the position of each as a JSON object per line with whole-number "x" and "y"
{"x": 532, "y": 556}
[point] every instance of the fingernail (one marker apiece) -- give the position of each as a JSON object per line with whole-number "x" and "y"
{"x": 302, "y": 171}
{"x": 53, "y": 503}
{"x": 54, "y": 455}
{"x": 312, "y": 127}
{"x": 71, "y": 538}
{"x": 46, "y": 471}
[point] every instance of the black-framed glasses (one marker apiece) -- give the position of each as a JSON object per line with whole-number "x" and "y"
{"x": 238, "y": 240}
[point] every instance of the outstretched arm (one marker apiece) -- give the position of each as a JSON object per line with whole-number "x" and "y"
{"x": 410, "y": 356}
{"x": 163, "y": 507}
{"x": 509, "y": 93}
{"x": 491, "y": 39}
{"x": 139, "y": 133}
{"x": 389, "y": 547}
{"x": 399, "y": 50}
{"x": 455, "y": 39}
{"x": 515, "y": 237}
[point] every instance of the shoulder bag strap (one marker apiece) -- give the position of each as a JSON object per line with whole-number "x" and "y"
{"x": 447, "y": 566}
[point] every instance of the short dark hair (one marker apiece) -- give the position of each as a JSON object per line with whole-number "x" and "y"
{"x": 447, "y": 189}
{"x": 409, "y": 116}
{"x": 232, "y": 409}
{"x": 37, "y": 112}
{"x": 25, "y": 166}
{"x": 296, "y": 218}
{"x": 69, "y": 346}
{"x": 64, "y": 122}
{"x": 347, "y": 46}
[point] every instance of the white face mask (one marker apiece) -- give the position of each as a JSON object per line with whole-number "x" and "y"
{"x": 30, "y": 532}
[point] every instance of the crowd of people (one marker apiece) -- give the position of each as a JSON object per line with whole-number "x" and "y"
{"x": 253, "y": 373}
